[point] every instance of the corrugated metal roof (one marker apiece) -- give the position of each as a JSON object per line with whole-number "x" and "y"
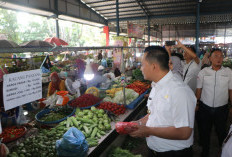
{"x": 178, "y": 15}
{"x": 140, "y": 8}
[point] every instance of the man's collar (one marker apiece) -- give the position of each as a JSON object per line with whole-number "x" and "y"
{"x": 163, "y": 81}
{"x": 211, "y": 67}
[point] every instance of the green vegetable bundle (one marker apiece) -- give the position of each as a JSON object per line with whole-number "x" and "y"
{"x": 227, "y": 63}
{"x": 56, "y": 114}
{"x": 138, "y": 75}
{"x": 118, "y": 152}
{"x": 55, "y": 69}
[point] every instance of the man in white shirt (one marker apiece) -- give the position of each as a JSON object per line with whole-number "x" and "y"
{"x": 191, "y": 66}
{"x": 169, "y": 124}
{"x": 214, "y": 87}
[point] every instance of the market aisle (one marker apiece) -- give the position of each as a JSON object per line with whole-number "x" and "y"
{"x": 214, "y": 147}
{"x": 139, "y": 146}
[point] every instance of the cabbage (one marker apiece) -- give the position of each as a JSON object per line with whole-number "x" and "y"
{"x": 107, "y": 99}
{"x": 130, "y": 94}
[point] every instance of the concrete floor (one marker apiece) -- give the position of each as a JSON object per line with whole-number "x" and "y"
{"x": 214, "y": 146}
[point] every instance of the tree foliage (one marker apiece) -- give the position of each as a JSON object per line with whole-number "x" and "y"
{"x": 8, "y": 25}
{"x": 38, "y": 28}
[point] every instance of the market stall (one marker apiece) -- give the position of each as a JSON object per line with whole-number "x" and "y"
{"x": 117, "y": 99}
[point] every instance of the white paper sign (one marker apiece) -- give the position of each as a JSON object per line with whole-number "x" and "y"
{"x": 21, "y": 88}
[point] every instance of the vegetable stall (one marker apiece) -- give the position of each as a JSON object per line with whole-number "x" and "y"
{"x": 93, "y": 113}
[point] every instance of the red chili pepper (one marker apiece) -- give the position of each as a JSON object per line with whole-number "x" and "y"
{"x": 85, "y": 100}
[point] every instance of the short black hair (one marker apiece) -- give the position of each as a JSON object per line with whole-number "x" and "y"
{"x": 159, "y": 55}
{"x": 192, "y": 48}
{"x": 215, "y": 49}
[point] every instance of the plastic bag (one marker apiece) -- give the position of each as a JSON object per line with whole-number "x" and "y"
{"x": 73, "y": 144}
{"x": 51, "y": 100}
{"x": 21, "y": 119}
{"x": 45, "y": 70}
{"x": 125, "y": 127}
{"x": 62, "y": 98}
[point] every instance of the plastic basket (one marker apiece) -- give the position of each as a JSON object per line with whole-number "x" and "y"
{"x": 39, "y": 115}
{"x": 134, "y": 103}
{"x": 7, "y": 140}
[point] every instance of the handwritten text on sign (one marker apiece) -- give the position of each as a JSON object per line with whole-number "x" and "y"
{"x": 21, "y": 88}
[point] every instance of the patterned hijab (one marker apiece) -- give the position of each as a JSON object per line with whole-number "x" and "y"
{"x": 55, "y": 85}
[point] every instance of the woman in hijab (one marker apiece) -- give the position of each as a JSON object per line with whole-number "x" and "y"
{"x": 80, "y": 64}
{"x": 46, "y": 65}
{"x": 56, "y": 84}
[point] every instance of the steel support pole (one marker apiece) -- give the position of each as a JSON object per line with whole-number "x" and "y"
{"x": 224, "y": 37}
{"x": 124, "y": 72}
{"x": 148, "y": 30}
{"x": 197, "y": 27}
{"x": 161, "y": 35}
{"x": 57, "y": 22}
{"x": 57, "y": 29}
{"x": 117, "y": 16}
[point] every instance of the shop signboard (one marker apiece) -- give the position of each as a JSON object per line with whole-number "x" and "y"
{"x": 117, "y": 57}
{"x": 119, "y": 41}
{"x": 135, "y": 30}
{"x": 21, "y": 88}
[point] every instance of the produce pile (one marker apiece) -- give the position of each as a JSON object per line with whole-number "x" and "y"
{"x": 55, "y": 69}
{"x": 138, "y": 75}
{"x": 12, "y": 133}
{"x": 93, "y": 123}
{"x": 139, "y": 87}
{"x": 42, "y": 145}
{"x": 130, "y": 94}
{"x": 227, "y": 63}
{"x": 85, "y": 100}
{"x": 119, "y": 152}
{"x": 64, "y": 63}
{"x": 145, "y": 85}
{"x": 111, "y": 92}
{"x": 113, "y": 107}
{"x": 56, "y": 114}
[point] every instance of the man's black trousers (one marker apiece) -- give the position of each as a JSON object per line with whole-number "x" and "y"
{"x": 207, "y": 117}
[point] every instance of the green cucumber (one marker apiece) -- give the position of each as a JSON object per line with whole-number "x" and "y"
{"x": 85, "y": 120}
{"x": 93, "y": 134}
{"x": 99, "y": 135}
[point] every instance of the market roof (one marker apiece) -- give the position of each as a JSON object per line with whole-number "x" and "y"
{"x": 163, "y": 11}
{"x": 160, "y": 12}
